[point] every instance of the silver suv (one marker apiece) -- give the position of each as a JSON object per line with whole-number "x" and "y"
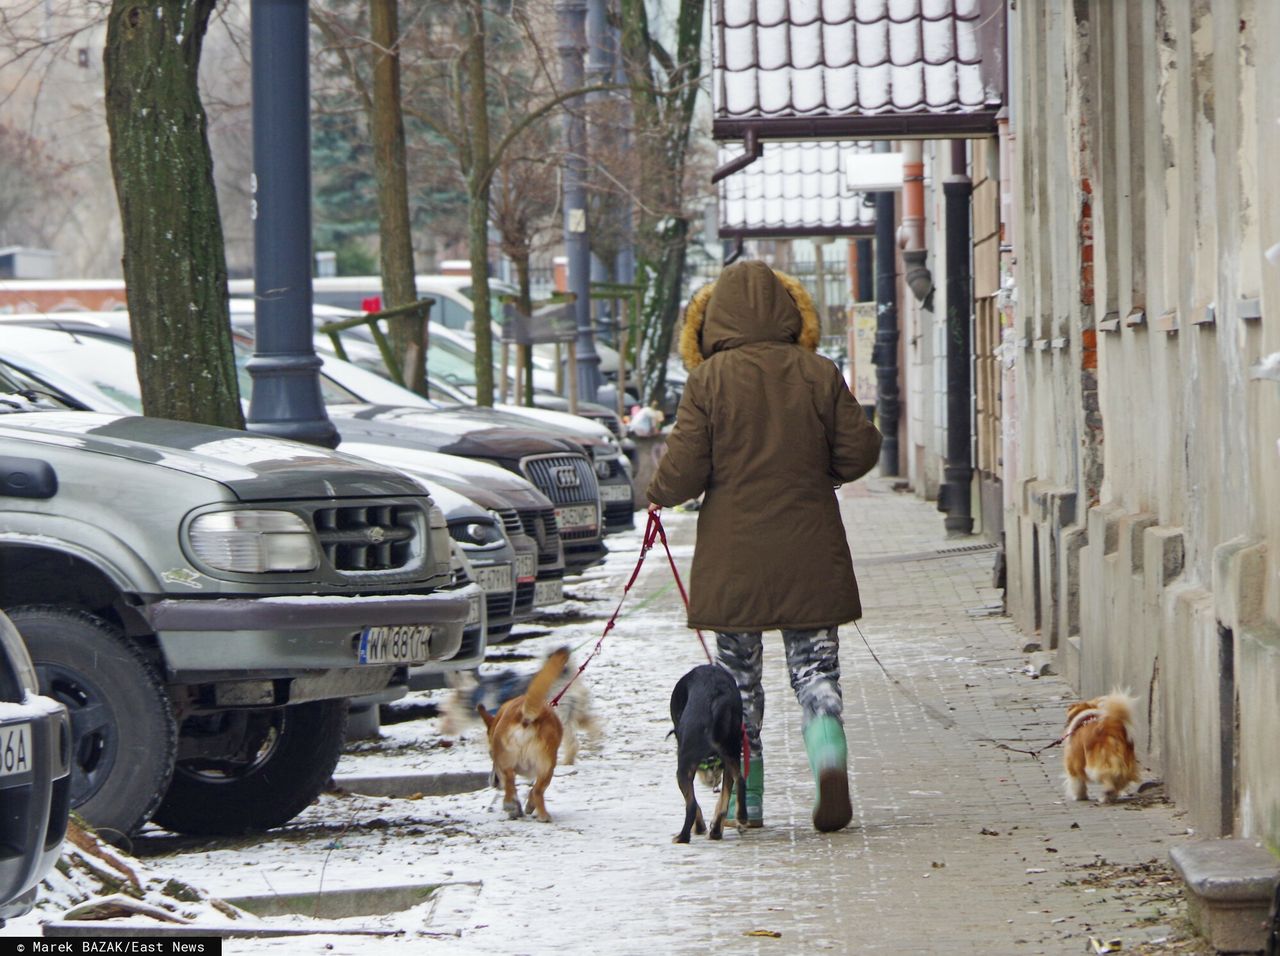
{"x": 204, "y": 601}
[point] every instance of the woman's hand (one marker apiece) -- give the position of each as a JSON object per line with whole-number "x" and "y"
{"x": 654, "y": 507}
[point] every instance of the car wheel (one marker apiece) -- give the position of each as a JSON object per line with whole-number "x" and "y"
{"x": 123, "y": 737}
{"x": 278, "y": 762}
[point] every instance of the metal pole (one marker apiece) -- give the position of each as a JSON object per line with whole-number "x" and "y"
{"x": 285, "y": 369}
{"x": 571, "y": 15}
{"x": 885, "y": 352}
{"x": 956, "y": 496}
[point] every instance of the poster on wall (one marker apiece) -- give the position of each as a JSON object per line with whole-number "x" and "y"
{"x": 862, "y": 339}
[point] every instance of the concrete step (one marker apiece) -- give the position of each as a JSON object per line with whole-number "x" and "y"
{"x": 1230, "y": 885}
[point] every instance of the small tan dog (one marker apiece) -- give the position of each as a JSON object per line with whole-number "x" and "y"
{"x": 523, "y": 739}
{"x": 1099, "y": 747}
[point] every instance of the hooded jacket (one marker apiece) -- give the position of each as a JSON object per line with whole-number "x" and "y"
{"x": 767, "y": 429}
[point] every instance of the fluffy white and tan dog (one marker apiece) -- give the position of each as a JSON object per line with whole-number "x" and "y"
{"x": 1099, "y": 747}
{"x": 493, "y": 689}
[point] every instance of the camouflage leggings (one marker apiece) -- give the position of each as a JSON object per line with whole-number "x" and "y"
{"x": 814, "y": 663}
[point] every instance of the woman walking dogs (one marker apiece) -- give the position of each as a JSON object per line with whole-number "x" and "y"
{"x": 768, "y": 429}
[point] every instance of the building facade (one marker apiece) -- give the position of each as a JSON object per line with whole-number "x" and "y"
{"x": 1142, "y": 506}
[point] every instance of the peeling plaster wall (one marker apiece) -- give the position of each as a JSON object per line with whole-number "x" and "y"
{"x": 1144, "y": 527}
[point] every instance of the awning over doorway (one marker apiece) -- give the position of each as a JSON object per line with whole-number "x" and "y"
{"x": 794, "y": 189}
{"x": 866, "y": 69}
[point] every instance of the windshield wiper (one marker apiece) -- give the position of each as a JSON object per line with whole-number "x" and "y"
{"x": 16, "y": 402}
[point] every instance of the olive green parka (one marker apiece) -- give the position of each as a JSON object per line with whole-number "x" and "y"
{"x": 768, "y": 430}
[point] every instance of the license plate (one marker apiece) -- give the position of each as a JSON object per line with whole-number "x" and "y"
{"x": 526, "y": 566}
{"x": 578, "y": 518}
{"x": 473, "y": 610}
{"x": 548, "y": 592}
{"x": 495, "y": 578}
{"x": 15, "y": 749}
{"x": 615, "y": 492}
{"x": 403, "y": 644}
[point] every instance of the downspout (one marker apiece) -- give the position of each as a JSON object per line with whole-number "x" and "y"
{"x": 956, "y": 495}
{"x": 911, "y": 235}
{"x": 753, "y": 150}
{"x": 884, "y": 355}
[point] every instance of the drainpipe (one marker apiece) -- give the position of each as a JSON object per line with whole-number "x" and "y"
{"x": 956, "y": 493}
{"x": 911, "y": 235}
{"x": 885, "y": 353}
{"x": 866, "y": 281}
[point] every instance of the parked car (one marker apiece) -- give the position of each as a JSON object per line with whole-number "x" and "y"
{"x": 490, "y": 556}
{"x": 613, "y": 469}
{"x": 204, "y": 602}
{"x": 98, "y": 372}
{"x": 450, "y": 363}
{"x": 528, "y": 516}
{"x": 35, "y": 771}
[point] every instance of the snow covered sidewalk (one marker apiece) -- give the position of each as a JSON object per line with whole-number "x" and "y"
{"x": 956, "y": 846}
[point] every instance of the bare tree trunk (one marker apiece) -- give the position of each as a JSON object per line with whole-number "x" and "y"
{"x": 663, "y": 113}
{"x": 174, "y": 263}
{"x": 478, "y": 179}
{"x": 663, "y": 276}
{"x": 390, "y": 169}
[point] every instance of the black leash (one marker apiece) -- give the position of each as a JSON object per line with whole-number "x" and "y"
{"x": 942, "y": 718}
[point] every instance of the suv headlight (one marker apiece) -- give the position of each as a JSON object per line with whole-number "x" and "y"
{"x": 254, "y": 542}
{"x": 475, "y": 534}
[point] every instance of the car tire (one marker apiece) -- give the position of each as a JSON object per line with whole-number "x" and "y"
{"x": 293, "y": 751}
{"x": 124, "y": 739}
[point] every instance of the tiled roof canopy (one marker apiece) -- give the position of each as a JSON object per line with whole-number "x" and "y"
{"x": 856, "y": 68}
{"x": 794, "y": 189}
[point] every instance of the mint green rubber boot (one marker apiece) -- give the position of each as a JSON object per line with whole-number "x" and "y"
{"x": 755, "y": 795}
{"x": 828, "y": 759}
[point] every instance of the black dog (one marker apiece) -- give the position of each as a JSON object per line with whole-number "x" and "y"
{"x": 706, "y": 710}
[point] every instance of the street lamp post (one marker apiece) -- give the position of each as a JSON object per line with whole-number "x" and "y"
{"x": 286, "y": 385}
{"x": 571, "y": 15}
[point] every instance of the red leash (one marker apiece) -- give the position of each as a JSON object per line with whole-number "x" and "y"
{"x": 653, "y": 532}
{"x": 650, "y": 533}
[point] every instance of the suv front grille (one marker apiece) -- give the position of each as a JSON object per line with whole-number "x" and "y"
{"x": 565, "y": 479}
{"x": 370, "y": 538}
{"x": 510, "y": 519}
{"x": 540, "y": 525}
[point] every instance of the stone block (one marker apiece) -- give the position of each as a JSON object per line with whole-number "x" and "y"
{"x": 1133, "y": 527}
{"x": 1229, "y": 886}
{"x": 1104, "y": 527}
{"x": 1164, "y": 552}
{"x": 1239, "y": 581}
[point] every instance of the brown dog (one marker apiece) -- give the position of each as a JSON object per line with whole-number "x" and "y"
{"x": 524, "y": 738}
{"x": 1099, "y": 747}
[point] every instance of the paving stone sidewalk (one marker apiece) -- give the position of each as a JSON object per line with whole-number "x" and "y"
{"x": 956, "y": 846}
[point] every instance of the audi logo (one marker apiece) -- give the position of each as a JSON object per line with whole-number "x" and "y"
{"x": 566, "y": 477}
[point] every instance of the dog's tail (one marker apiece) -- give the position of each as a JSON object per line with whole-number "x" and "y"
{"x": 1118, "y": 705}
{"x": 535, "y": 698}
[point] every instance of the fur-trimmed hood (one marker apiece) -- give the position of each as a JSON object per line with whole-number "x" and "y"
{"x": 748, "y": 303}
